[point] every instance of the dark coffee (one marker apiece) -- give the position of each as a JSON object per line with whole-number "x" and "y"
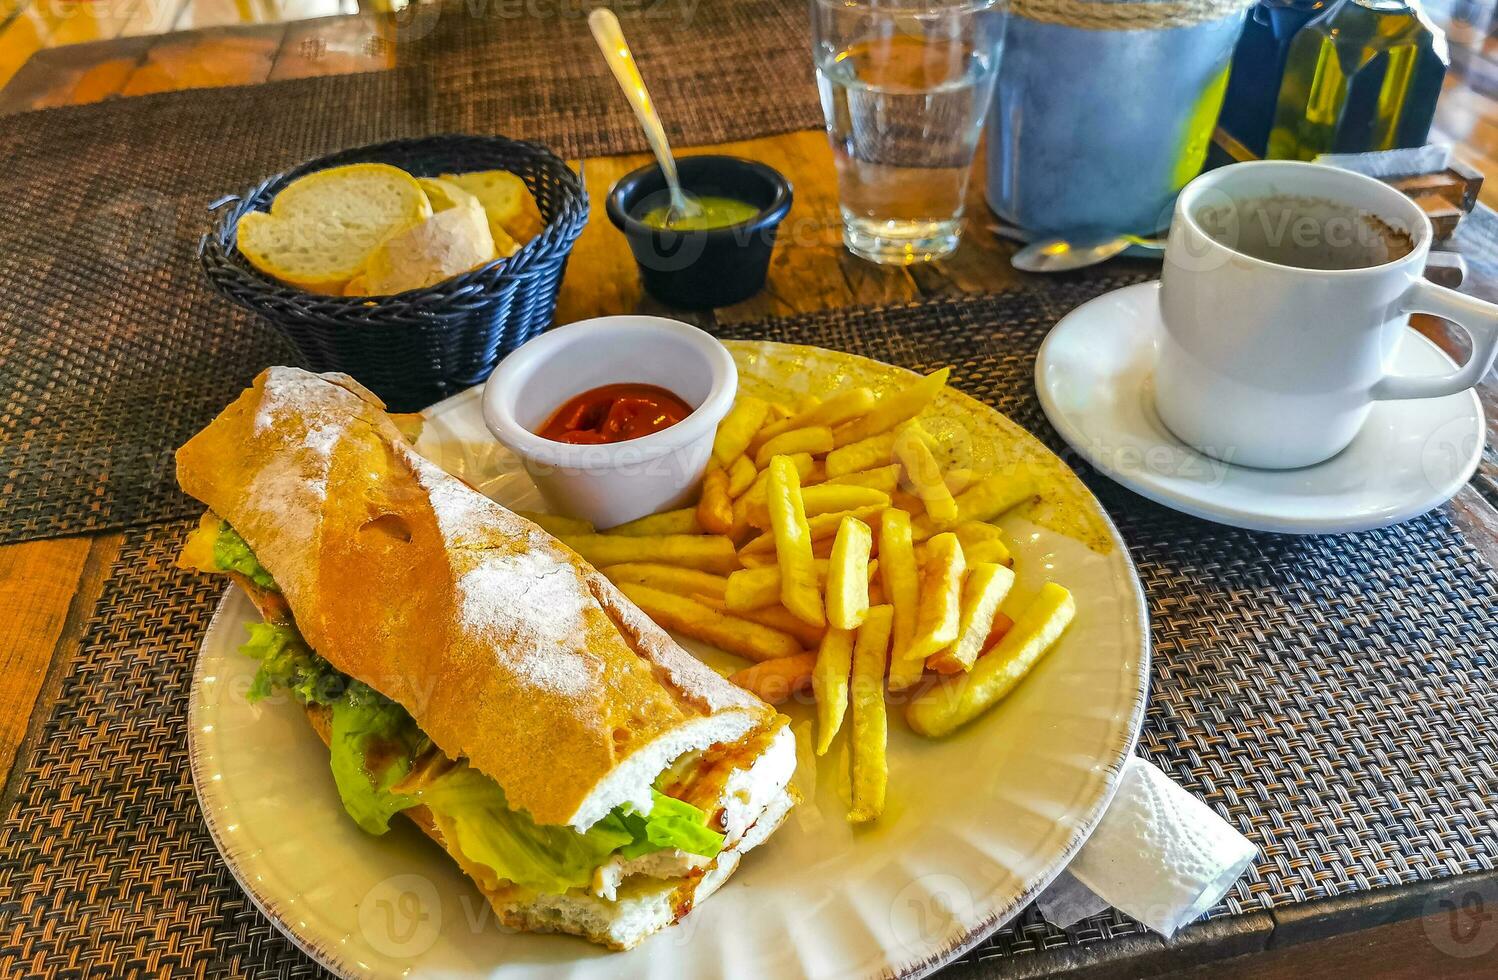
{"x": 1305, "y": 232}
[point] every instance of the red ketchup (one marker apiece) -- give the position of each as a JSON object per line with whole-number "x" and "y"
{"x": 614, "y": 413}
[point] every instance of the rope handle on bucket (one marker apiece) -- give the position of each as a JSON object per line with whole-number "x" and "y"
{"x": 1126, "y": 15}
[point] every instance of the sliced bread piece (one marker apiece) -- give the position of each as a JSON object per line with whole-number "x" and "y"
{"x": 445, "y": 195}
{"x": 447, "y": 244}
{"x": 508, "y": 202}
{"x": 321, "y": 228}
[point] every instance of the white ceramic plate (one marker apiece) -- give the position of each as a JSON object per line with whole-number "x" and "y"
{"x": 976, "y": 825}
{"x": 1095, "y": 375}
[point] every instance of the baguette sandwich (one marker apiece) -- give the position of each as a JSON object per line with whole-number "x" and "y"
{"x": 471, "y": 673}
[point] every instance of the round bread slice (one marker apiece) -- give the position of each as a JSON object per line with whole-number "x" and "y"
{"x": 321, "y": 228}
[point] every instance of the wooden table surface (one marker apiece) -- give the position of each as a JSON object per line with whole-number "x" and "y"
{"x": 49, "y": 588}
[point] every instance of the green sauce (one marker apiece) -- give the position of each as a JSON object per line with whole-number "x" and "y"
{"x": 717, "y": 212}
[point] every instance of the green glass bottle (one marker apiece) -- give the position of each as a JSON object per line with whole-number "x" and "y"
{"x": 1365, "y": 75}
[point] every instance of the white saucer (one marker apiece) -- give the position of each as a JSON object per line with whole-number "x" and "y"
{"x": 1095, "y": 379}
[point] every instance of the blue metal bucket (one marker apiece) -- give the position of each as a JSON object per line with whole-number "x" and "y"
{"x": 1100, "y": 129}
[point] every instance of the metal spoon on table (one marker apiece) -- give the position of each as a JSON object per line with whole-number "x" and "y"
{"x": 610, "y": 38}
{"x": 1063, "y": 255}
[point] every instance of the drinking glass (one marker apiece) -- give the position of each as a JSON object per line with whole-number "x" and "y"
{"x": 905, "y": 86}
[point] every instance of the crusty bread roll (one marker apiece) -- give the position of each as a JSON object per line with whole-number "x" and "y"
{"x": 503, "y": 645}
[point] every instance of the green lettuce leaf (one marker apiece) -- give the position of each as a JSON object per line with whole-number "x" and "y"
{"x": 671, "y": 823}
{"x": 287, "y": 662}
{"x": 472, "y": 813}
{"x": 373, "y": 744}
{"x": 232, "y": 555}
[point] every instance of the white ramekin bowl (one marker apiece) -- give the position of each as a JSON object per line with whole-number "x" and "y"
{"x": 611, "y": 484}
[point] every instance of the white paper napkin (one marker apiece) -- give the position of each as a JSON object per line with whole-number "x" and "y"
{"x": 1159, "y": 855}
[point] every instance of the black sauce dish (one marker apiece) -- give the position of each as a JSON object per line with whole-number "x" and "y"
{"x": 713, "y": 267}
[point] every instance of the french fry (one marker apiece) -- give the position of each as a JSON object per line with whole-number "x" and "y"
{"x": 708, "y": 553}
{"x": 756, "y": 588}
{"x": 885, "y": 479}
{"x": 1001, "y": 625}
{"x": 817, "y": 474}
{"x": 940, "y": 614}
{"x": 832, "y": 498}
{"x": 780, "y": 411}
{"x": 870, "y": 725}
{"x": 555, "y": 524}
{"x": 986, "y": 586}
{"x": 806, "y": 403}
{"x": 822, "y": 527}
{"x": 764, "y": 559}
{"x": 894, "y": 408}
{"x": 737, "y": 428}
{"x": 982, "y": 550}
{"x": 862, "y": 455}
{"x": 982, "y": 502}
{"x": 947, "y": 706}
{"x": 715, "y": 506}
{"x": 908, "y": 502}
{"x": 924, "y": 473}
{"x": 971, "y": 532}
{"x": 776, "y": 617}
{"x": 827, "y": 498}
{"x": 753, "y": 588}
{"x": 753, "y": 499}
{"x": 775, "y": 681}
{"x": 848, "y": 575}
{"x": 901, "y": 587}
{"x": 683, "y": 521}
{"x": 829, "y": 682}
{"x": 802, "y": 462}
{"x": 688, "y": 616}
{"x": 667, "y": 578}
{"x": 993, "y": 550}
{"x": 845, "y": 405}
{"x": 791, "y": 539}
{"x": 741, "y": 476}
{"x": 814, "y": 441}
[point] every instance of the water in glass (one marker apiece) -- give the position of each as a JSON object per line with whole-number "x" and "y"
{"x": 904, "y": 111}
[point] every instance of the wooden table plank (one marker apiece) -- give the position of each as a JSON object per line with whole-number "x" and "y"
{"x": 74, "y": 74}
{"x": 214, "y": 57}
{"x": 20, "y": 39}
{"x": 48, "y": 589}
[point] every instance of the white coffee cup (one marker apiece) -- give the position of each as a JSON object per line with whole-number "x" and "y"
{"x": 1276, "y": 366}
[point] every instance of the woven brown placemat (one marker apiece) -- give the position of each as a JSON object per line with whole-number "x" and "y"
{"x": 718, "y": 70}
{"x": 106, "y": 868}
{"x": 1334, "y": 698}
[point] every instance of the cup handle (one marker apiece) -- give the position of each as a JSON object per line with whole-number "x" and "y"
{"x": 1478, "y": 318}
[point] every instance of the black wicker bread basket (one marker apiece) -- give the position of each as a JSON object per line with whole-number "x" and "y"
{"x": 416, "y": 347}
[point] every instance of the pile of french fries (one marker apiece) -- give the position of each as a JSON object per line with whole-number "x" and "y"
{"x": 832, "y": 548}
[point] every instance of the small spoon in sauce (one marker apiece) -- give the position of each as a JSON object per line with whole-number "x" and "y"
{"x": 610, "y": 38}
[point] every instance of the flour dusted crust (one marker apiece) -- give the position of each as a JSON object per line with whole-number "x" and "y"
{"x": 506, "y": 648}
